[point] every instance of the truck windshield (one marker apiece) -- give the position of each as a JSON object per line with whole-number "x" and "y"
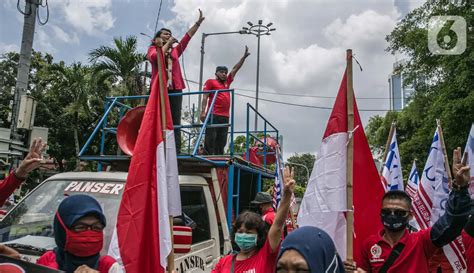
{"x": 33, "y": 216}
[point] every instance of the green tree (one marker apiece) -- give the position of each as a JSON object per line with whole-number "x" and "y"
{"x": 301, "y": 173}
{"x": 121, "y": 63}
{"x": 443, "y": 85}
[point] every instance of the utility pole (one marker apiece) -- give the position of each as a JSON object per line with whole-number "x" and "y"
{"x": 24, "y": 63}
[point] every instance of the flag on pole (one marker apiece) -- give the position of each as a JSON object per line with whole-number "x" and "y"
{"x": 324, "y": 201}
{"x": 142, "y": 238}
{"x": 392, "y": 176}
{"x": 413, "y": 181}
{"x": 470, "y": 158}
{"x": 278, "y": 185}
{"x": 431, "y": 197}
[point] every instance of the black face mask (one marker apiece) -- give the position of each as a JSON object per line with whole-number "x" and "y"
{"x": 394, "y": 222}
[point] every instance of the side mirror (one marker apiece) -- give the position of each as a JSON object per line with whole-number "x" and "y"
{"x": 182, "y": 239}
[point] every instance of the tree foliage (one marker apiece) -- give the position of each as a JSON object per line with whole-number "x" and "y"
{"x": 443, "y": 87}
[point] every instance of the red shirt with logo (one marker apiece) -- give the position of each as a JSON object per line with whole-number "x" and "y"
{"x": 468, "y": 242}
{"x": 414, "y": 257}
{"x": 222, "y": 104}
{"x": 262, "y": 262}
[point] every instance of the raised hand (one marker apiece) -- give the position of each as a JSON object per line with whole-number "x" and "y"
{"x": 201, "y": 18}
{"x": 246, "y": 53}
{"x": 32, "y": 160}
{"x": 289, "y": 180}
{"x": 460, "y": 169}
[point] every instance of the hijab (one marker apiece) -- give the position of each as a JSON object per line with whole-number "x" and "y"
{"x": 70, "y": 210}
{"x": 316, "y": 247}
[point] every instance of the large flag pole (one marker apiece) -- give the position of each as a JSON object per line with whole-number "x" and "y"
{"x": 387, "y": 145}
{"x": 443, "y": 147}
{"x": 350, "y": 157}
{"x": 163, "y": 126}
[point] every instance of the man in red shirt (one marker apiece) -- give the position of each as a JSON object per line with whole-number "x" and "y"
{"x": 415, "y": 249}
{"x": 216, "y": 138}
{"x": 468, "y": 240}
{"x": 264, "y": 201}
{"x": 172, "y": 50}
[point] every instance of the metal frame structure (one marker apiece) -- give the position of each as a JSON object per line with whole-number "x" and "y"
{"x": 235, "y": 164}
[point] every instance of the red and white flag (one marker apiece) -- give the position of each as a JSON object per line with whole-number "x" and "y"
{"x": 324, "y": 202}
{"x": 142, "y": 238}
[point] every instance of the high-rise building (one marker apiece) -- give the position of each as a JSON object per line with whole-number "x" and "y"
{"x": 399, "y": 92}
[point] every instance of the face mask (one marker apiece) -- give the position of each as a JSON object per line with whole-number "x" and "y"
{"x": 246, "y": 241}
{"x": 84, "y": 243}
{"x": 394, "y": 222}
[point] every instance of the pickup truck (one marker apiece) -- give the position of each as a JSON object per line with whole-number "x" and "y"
{"x": 28, "y": 226}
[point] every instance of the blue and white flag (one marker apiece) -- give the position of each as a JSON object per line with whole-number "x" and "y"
{"x": 413, "y": 181}
{"x": 431, "y": 199}
{"x": 278, "y": 186}
{"x": 392, "y": 177}
{"x": 470, "y": 158}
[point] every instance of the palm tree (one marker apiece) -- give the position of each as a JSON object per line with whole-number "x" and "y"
{"x": 122, "y": 63}
{"x": 75, "y": 85}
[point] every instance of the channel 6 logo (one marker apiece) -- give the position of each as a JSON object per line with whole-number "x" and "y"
{"x": 447, "y": 35}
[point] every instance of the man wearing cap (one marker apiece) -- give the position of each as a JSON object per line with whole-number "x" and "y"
{"x": 216, "y": 138}
{"x": 264, "y": 201}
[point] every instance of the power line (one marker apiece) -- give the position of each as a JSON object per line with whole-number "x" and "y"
{"x": 299, "y": 95}
{"x": 158, "y": 17}
{"x": 308, "y": 106}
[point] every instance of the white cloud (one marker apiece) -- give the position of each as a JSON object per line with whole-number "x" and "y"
{"x": 63, "y": 36}
{"x": 304, "y": 56}
{"x": 91, "y": 17}
{"x": 43, "y": 41}
{"x": 9, "y": 48}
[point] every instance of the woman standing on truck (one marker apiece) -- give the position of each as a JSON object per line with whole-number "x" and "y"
{"x": 78, "y": 232}
{"x": 258, "y": 249}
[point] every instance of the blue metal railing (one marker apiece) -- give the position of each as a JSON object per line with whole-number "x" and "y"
{"x": 193, "y": 132}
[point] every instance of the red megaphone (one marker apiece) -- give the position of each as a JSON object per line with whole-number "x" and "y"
{"x": 127, "y": 130}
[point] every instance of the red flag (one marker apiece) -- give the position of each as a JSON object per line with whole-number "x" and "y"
{"x": 142, "y": 239}
{"x": 324, "y": 202}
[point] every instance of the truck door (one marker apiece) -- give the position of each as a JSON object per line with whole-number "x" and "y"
{"x": 201, "y": 217}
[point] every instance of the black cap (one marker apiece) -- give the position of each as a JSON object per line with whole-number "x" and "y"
{"x": 262, "y": 198}
{"x": 222, "y": 68}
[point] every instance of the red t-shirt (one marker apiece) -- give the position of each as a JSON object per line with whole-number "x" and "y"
{"x": 468, "y": 242}
{"x": 269, "y": 216}
{"x": 222, "y": 104}
{"x": 414, "y": 257}
{"x": 48, "y": 259}
{"x": 262, "y": 262}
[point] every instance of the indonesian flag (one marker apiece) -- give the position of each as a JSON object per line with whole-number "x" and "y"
{"x": 430, "y": 200}
{"x": 324, "y": 201}
{"x": 142, "y": 238}
{"x": 470, "y": 159}
{"x": 392, "y": 176}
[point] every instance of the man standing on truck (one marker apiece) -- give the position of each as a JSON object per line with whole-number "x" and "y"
{"x": 216, "y": 138}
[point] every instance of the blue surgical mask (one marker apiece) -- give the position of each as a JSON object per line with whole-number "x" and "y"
{"x": 246, "y": 241}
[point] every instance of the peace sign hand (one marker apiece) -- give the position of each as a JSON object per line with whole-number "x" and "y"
{"x": 289, "y": 180}
{"x": 460, "y": 169}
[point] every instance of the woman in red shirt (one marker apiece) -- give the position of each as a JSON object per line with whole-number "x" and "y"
{"x": 258, "y": 250}
{"x": 173, "y": 49}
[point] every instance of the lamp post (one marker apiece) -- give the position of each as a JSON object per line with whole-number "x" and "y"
{"x": 258, "y": 30}
{"x": 300, "y": 165}
{"x": 201, "y": 66}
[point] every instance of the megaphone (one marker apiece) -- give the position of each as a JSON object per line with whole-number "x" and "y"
{"x": 128, "y": 128}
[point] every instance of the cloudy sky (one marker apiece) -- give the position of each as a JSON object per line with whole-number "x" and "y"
{"x": 303, "y": 59}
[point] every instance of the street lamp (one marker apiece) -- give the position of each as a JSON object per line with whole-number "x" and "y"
{"x": 203, "y": 41}
{"x": 258, "y": 30}
{"x": 301, "y": 165}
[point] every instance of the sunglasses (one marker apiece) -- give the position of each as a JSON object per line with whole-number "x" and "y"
{"x": 396, "y": 212}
